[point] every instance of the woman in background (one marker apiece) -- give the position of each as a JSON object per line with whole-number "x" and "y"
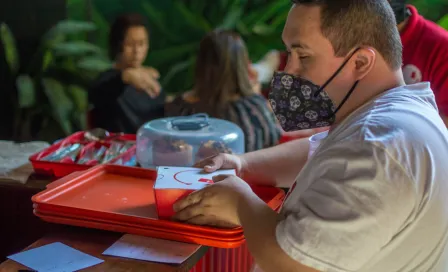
{"x": 223, "y": 89}
{"x": 129, "y": 94}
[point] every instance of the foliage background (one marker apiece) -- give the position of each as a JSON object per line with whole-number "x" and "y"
{"x": 44, "y": 75}
{"x": 177, "y": 26}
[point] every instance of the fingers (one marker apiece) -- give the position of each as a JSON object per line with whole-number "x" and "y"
{"x": 152, "y": 87}
{"x": 190, "y": 212}
{"x": 153, "y": 72}
{"x": 189, "y": 200}
{"x": 211, "y": 164}
{"x": 210, "y": 220}
{"x": 219, "y": 178}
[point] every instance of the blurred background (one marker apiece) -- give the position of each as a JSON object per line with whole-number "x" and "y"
{"x": 51, "y": 51}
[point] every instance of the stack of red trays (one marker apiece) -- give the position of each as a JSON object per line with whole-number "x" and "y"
{"x": 121, "y": 199}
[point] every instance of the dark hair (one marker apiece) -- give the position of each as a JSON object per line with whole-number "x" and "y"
{"x": 348, "y": 24}
{"x": 118, "y": 31}
{"x": 222, "y": 70}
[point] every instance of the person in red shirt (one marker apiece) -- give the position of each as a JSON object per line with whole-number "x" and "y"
{"x": 425, "y": 52}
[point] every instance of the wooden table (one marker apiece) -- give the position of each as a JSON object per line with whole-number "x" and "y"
{"x": 95, "y": 242}
{"x": 19, "y": 227}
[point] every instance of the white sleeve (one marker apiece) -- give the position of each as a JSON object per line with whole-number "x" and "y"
{"x": 359, "y": 197}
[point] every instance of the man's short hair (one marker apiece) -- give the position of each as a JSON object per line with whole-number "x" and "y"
{"x": 348, "y": 24}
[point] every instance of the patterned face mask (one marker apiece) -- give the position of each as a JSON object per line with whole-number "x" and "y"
{"x": 300, "y": 104}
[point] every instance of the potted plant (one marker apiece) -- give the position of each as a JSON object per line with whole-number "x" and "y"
{"x": 49, "y": 93}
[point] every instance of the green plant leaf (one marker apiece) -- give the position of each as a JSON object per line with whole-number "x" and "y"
{"x": 266, "y": 12}
{"x": 94, "y": 64}
{"x": 47, "y": 60}
{"x": 9, "y": 44}
{"x": 232, "y": 18}
{"x": 444, "y": 22}
{"x": 262, "y": 29}
{"x": 191, "y": 19}
{"x": 198, "y": 5}
{"x": 61, "y": 105}
{"x": 172, "y": 53}
{"x": 81, "y": 120}
{"x": 176, "y": 69}
{"x": 156, "y": 17}
{"x": 26, "y": 92}
{"x": 102, "y": 24}
{"x": 68, "y": 27}
{"x": 79, "y": 97}
{"x": 242, "y": 29}
{"x": 75, "y": 48}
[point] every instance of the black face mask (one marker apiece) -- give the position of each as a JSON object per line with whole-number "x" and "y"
{"x": 400, "y": 10}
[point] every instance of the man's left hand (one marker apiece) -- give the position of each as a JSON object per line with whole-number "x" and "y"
{"x": 216, "y": 205}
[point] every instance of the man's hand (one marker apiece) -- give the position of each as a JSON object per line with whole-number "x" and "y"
{"x": 222, "y": 161}
{"x": 215, "y": 205}
{"x": 144, "y": 79}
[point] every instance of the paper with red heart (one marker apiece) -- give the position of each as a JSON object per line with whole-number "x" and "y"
{"x": 174, "y": 183}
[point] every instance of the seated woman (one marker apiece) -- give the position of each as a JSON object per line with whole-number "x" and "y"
{"x": 128, "y": 95}
{"x": 223, "y": 89}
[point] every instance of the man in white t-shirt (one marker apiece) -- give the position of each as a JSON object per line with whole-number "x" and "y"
{"x": 373, "y": 197}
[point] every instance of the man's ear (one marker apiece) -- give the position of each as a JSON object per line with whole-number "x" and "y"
{"x": 364, "y": 62}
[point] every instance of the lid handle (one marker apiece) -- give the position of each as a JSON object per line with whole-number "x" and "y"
{"x": 192, "y": 122}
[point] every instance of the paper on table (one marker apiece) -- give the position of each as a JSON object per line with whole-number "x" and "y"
{"x": 55, "y": 257}
{"x": 151, "y": 249}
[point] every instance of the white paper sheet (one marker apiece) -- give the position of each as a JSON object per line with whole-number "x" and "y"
{"x": 151, "y": 249}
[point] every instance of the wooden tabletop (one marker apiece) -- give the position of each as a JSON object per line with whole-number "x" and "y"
{"x": 95, "y": 242}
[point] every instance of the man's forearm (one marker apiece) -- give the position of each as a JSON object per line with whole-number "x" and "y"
{"x": 276, "y": 166}
{"x": 259, "y": 223}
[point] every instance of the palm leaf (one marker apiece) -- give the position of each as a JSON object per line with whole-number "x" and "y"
{"x": 176, "y": 69}
{"x": 68, "y": 27}
{"x": 191, "y": 19}
{"x": 103, "y": 25}
{"x": 94, "y": 64}
{"x": 266, "y": 12}
{"x": 47, "y": 60}
{"x": 174, "y": 53}
{"x": 79, "y": 97}
{"x": 61, "y": 104}
{"x": 26, "y": 92}
{"x": 9, "y": 45}
{"x": 444, "y": 22}
{"x": 156, "y": 17}
{"x": 75, "y": 48}
{"x": 232, "y": 18}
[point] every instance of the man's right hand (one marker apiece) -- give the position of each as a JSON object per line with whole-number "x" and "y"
{"x": 144, "y": 79}
{"x": 222, "y": 161}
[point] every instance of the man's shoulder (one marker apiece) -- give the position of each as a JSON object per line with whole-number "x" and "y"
{"x": 402, "y": 118}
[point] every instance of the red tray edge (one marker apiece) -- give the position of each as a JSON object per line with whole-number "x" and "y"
{"x": 137, "y": 231}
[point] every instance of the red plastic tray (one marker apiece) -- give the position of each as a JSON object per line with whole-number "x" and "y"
{"x": 96, "y": 224}
{"x": 199, "y": 234}
{"x": 125, "y": 196}
{"x": 58, "y": 169}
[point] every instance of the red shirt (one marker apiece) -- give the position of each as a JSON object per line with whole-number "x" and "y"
{"x": 425, "y": 56}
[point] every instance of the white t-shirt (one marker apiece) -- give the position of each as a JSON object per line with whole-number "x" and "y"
{"x": 315, "y": 141}
{"x": 374, "y": 195}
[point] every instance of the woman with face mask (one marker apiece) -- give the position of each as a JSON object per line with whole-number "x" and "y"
{"x": 225, "y": 88}
{"x": 129, "y": 94}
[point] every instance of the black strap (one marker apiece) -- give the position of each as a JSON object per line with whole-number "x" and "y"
{"x": 346, "y": 97}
